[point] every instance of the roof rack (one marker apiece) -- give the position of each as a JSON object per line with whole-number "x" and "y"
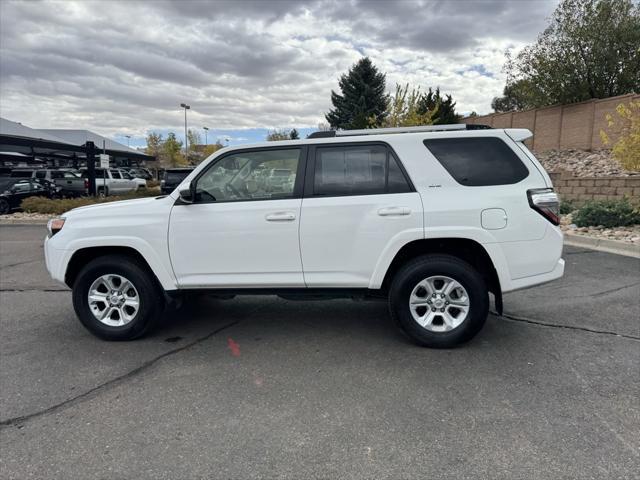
{"x": 383, "y": 131}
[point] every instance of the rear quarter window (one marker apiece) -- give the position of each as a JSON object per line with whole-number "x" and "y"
{"x": 478, "y": 161}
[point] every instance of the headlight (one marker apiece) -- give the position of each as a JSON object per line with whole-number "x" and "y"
{"x": 55, "y": 225}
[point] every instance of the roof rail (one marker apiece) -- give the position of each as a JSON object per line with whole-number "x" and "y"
{"x": 382, "y": 131}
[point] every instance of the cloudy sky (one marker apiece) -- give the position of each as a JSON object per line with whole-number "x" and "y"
{"x": 124, "y": 67}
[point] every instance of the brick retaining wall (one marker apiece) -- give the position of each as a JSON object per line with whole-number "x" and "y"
{"x": 561, "y": 127}
{"x": 582, "y": 189}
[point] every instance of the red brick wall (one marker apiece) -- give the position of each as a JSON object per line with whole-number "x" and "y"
{"x": 574, "y": 126}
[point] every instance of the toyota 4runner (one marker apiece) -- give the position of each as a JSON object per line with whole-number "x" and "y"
{"x": 430, "y": 219}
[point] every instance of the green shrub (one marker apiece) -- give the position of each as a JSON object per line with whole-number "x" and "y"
{"x": 608, "y": 213}
{"x": 59, "y": 206}
{"x": 567, "y": 206}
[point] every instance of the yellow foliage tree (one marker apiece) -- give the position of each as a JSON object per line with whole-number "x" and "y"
{"x": 404, "y": 109}
{"x": 627, "y": 149}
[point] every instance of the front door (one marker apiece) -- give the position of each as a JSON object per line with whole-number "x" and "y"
{"x": 242, "y": 229}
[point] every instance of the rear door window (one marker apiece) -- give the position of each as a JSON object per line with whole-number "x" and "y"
{"x": 478, "y": 161}
{"x": 357, "y": 170}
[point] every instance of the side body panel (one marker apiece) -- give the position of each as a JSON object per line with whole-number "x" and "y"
{"x": 234, "y": 244}
{"x": 343, "y": 239}
{"x": 116, "y": 225}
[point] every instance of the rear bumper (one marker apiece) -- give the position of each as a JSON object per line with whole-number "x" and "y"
{"x": 525, "y": 264}
{"x": 535, "y": 280}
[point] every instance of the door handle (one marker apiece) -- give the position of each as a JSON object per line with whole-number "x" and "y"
{"x": 394, "y": 211}
{"x": 280, "y": 217}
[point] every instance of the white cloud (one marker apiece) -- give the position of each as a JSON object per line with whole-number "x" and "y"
{"x": 118, "y": 67}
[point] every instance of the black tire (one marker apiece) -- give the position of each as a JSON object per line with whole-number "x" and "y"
{"x": 4, "y": 207}
{"x": 102, "y": 191}
{"x": 427, "y": 266}
{"x": 151, "y": 300}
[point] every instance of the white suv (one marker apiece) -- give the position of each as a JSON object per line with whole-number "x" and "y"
{"x": 431, "y": 219}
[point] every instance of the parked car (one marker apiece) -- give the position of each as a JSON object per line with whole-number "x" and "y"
{"x": 431, "y": 220}
{"x": 172, "y": 178}
{"x": 111, "y": 181}
{"x": 70, "y": 184}
{"x": 140, "y": 182}
{"x": 140, "y": 173}
{"x": 14, "y": 190}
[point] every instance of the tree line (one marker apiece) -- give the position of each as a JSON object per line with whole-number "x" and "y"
{"x": 169, "y": 150}
{"x": 590, "y": 49}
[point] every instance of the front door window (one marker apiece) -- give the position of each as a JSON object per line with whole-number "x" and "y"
{"x": 257, "y": 175}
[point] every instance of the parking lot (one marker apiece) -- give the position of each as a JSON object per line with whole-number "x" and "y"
{"x": 263, "y": 387}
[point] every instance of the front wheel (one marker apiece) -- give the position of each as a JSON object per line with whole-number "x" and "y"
{"x": 439, "y": 301}
{"x": 116, "y": 298}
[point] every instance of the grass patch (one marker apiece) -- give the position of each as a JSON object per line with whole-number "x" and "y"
{"x": 59, "y": 206}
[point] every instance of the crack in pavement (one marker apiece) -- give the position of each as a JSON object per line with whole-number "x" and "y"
{"x": 531, "y": 321}
{"x": 20, "y": 263}
{"x": 91, "y": 393}
{"x": 604, "y": 292}
{"x": 580, "y": 252}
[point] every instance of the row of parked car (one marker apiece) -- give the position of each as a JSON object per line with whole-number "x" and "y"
{"x": 19, "y": 184}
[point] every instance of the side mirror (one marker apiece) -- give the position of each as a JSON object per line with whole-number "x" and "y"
{"x": 187, "y": 195}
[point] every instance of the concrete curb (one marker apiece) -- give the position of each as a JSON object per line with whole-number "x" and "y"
{"x": 602, "y": 245}
{"x": 22, "y": 221}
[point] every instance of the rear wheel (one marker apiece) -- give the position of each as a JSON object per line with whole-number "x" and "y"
{"x": 116, "y": 298}
{"x": 4, "y": 207}
{"x": 439, "y": 300}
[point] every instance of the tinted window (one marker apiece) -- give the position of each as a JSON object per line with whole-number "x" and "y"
{"x": 115, "y": 174}
{"x": 478, "y": 161}
{"x": 175, "y": 177}
{"x": 42, "y": 174}
{"x": 357, "y": 170}
{"x": 255, "y": 175}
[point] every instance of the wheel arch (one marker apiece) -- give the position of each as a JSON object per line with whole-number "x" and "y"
{"x": 466, "y": 249}
{"x": 84, "y": 255}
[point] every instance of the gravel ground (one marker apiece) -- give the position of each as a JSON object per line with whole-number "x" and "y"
{"x": 582, "y": 163}
{"x": 630, "y": 234}
{"x": 26, "y": 216}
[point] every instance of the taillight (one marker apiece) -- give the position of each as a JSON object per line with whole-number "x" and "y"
{"x": 546, "y": 202}
{"x": 86, "y": 183}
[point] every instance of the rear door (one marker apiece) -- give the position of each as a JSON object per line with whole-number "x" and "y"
{"x": 118, "y": 184}
{"x": 358, "y": 204}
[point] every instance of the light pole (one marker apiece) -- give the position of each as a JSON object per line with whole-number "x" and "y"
{"x": 206, "y": 131}
{"x": 186, "y": 139}
{"x": 128, "y": 137}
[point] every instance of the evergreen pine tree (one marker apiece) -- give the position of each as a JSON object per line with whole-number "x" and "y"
{"x": 363, "y": 101}
{"x": 446, "y": 107}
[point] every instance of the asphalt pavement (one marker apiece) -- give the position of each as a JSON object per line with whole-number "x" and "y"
{"x": 259, "y": 387}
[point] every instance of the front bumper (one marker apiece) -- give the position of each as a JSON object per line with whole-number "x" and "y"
{"x": 54, "y": 260}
